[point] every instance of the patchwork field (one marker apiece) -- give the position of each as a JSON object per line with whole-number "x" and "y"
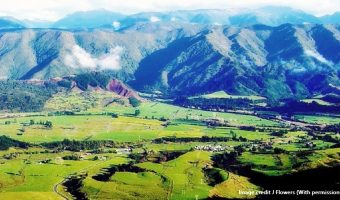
{"x": 164, "y": 152}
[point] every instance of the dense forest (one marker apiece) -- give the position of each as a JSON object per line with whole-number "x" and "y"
{"x": 73, "y": 145}
{"x": 24, "y": 97}
{"x": 94, "y": 79}
{"x": 6, "y": 143}
{"x": 297, "y": 106}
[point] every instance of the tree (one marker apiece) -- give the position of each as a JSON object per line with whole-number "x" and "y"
{"x": 137, "y": 112}
{"x": 134, "y": 102}
{"x": 233, "y": 135}
{"x": 279, "y": 150}
{"x": 163, "y": 119}
{"x": 48, "y": 124}
{"x": 65, "y": 83}
{"x": 114, "y": 115}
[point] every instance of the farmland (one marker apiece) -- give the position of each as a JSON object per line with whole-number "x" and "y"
{"x": 162, "y": 152}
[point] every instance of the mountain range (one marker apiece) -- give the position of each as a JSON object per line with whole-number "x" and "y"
{"x": 270, "y": 16}
{"x": 184, "y": 58}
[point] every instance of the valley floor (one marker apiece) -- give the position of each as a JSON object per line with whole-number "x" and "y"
{"x": 163, "y": 152}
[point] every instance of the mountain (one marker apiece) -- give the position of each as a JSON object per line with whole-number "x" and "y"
{"x": 186, "y": 59}
{"x": 37, "y": 23}
{"x": 204, "y": 17}
{"x": 88, "y": 19}
{"x": 10, "y": 23}
{"x": 294, "y": 60}
{"x": 273, "y": 16}
{"x": 47, "y": 53}
{"x": 269, "y": 15}
{"x": 331, "y": 19}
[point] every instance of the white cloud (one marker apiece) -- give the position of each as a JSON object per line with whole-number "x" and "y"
{"x": 317, "y": 56}
{"x": 55, "y": 9}
{"x": 112, "y": 59}
{"x": 79, "y": 58}
{"x": 154, "y": 19}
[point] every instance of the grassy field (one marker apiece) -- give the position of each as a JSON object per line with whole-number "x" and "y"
{"x": 25, "y": 175}
{"x": 185, "y": 174}
{"x": 231, "y": 187}
{"x": 82, "y": 127}
{"x": 224, "y": 95}
{"x": 122, "y": 129}
{"x": 319, "y": 119}
{"x": 270, "y": 164}
{"x": 158, "y": 110}
{"x": 318, "y": 101}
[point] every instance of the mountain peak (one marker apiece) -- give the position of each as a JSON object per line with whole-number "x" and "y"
{"x": 10, "y": 23}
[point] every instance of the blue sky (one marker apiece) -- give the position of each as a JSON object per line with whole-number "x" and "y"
{"x": 55, "y": 9}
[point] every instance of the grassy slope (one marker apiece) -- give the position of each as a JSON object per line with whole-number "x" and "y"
{"x": 158, "y": 110}
{"x": 319, "y": 119}
{"x": 185, "y": 173}
{"x": 33, "y": 180}
{"x": 224, "y": 95}
{"x": 230, "y": 188}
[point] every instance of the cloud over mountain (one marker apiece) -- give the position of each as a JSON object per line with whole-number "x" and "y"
{"x": 80, "y": 58}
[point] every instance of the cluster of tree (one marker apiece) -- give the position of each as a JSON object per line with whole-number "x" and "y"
{"x": 248, "y": 128}
{"x": 217, "y": 103}
{"x": 74, "y": 184}
{"x": 46, "y": 124}
{"x": 162, "y": 119}
{"x": 279, "y": 133}
{"x": 304, "y": 154}
{"x": 224, "y": 160}
{"x": 165, "y": 156}
{"x": 107, "y": 173}
{"x": 24, "y": 97}
{"x": 297, "y": 106}
{"x": 332, "y": 98}
{"x": 65, "y": 83}
{"x": 71, "y": 157}
{"x": 114, "y": 115}
{"x": 73, "y": 145}
{"x": 6, "y": 143}
{"x": 138, "y": 157}
{"x": 60, "y": 113}
{"x": 10, "y": 156}
{"x": 94, "y": 79}
{"x": 279, "y": 150}
{"x": 137, "y": 112}
{"x": 320, "y": 134}
{"x": 134, "y": 102}
{"x": 215, "y": 176}
{"x": 328, "y": 138}
{"x": 335, "y": 128}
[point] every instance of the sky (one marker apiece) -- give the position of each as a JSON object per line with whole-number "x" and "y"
{"x": 52, "y": 10}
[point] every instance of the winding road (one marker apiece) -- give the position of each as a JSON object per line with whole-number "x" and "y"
{"x": 55, "y": 189}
